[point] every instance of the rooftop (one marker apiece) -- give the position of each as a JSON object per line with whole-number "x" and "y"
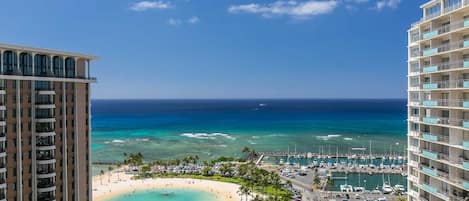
{"x": 47, "y": 51}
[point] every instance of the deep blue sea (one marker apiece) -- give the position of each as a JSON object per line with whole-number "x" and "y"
{"x": 162, "y": 129}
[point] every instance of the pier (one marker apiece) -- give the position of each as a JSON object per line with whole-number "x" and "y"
{"x": 332, "y": 155}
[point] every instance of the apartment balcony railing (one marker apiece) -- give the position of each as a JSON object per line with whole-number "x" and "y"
{"x": 445, "y": 47}
{"x": 436, "y": 120}
{"x": 45, "y": 157}
{"x": 435, "y": 172}
{"x": 45, "y": 184}
{"x": 463, "y": 182}
{"x": 44, "y": 129}
{"x": 435, "y": 138}
{"x": 44, "y": 116}
{"x": 45, "y": 171}
{"x": 434, "y": 155}
{"x": 445, "y": 66}
{"x": 435, "y": 191}
{"x": 46, "y": 198}
{"x": 446, "y": 84}
{"x": 44, "y": 102}
{"x": 465, "y": 144}
{"x": 45, "y": 143}
{"x": 464, "y": 162}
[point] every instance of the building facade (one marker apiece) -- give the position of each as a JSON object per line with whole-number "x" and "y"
{"x": 438, "y": 102}
{"x": 44, "y": 124}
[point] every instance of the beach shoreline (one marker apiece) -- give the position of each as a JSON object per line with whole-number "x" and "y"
{"x": 118, "y": 183}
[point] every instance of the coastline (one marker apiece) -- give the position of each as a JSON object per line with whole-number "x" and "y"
{"x": 117, "y": 183}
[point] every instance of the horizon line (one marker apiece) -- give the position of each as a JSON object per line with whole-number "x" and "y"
{"x": 249, "y": 98}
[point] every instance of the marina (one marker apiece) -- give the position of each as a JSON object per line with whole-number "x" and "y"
{"x": 357, "y": 171}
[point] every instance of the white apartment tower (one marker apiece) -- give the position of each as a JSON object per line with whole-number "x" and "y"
{"x": 438, "y": 126}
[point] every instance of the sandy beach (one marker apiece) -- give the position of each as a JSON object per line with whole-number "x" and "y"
{"x": 117, "y": 183}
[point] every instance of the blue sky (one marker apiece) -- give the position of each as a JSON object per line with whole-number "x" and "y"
{"x": 226, "y": 49}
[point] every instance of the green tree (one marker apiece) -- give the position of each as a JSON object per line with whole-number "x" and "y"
{"x": 207, "y": 171}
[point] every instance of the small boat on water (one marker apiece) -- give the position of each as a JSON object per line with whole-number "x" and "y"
{"x": 358, "y": 189}
{"x": 399, "y": 188}
{"x": 387, "y": 189}
{"x": 346, "y": 188}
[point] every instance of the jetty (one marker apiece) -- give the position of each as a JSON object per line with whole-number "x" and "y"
{"x": 332, "y": 155}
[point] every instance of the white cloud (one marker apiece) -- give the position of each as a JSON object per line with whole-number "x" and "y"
{"x": 193, "y": 20}
{"x": 387, "y": 4}
{"x": 179, "y": 21}
{"x": 174, "y": 21}
{"x": 145, "y": 5}
{"x": 291, "y": 8}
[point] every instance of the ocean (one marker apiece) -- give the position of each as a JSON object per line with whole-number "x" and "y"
{"x": 165, "y": 129}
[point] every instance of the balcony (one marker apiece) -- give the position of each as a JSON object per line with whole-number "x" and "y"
{"x": 437, "y": 67}
{"x": 45, "y": 118}
{"x": 43, "y": 159}
{"x": 45, "y": 186}
{"x": 430, "y": 51}
{"x": 48, "y": 173}
{"x": 430, "y": 69}
{"x": 435, "y": 191}
{"x": 434, "y": 155}
{"x": 430, "y": 103}
{"x": 45, "y": 105}
{"x": 445, "y": 48}
{"x": 430, "y": 34}
{"x": 435, "y": 138}
{"x": 435, "y": 120}
{"x": 431, "y": 86}
{"x": 46, "y": 197}
{"x": 429, "y": 171}
{"x": 465, "y": 144}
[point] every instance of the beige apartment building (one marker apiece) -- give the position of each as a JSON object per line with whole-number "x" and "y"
{"x": 44, "y": 124}
{"x": 438, "y": 104}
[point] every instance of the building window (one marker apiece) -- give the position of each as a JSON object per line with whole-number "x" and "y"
{"x": 26, "y": 64}
{"x": 9, "y": 62}
{"x": 70, "y": 67}
{"x": 42, "y": 65}
{"x": 433, "y": 11}
{"x": 452, "y": 4}
{"x": 58, "y": 66}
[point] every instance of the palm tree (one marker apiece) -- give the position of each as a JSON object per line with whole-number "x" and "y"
{"x": 206, "y": 171}
{"x": 110, "y": 168}
{"x": 244, "y": 190}
{"x": 226, "y": 169}
{"x": 101, "y": 174}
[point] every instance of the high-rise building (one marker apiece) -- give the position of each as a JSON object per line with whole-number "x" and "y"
{"x": 438, "y": 126}
{"x": 44, "y": 124}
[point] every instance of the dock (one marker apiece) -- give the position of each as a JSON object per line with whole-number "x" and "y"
{"x": 332, "y": 155}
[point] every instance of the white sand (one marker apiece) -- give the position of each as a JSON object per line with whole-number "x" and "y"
{"x": 118, "y": 183}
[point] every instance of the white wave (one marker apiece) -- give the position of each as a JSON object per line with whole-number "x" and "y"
{"x": 222, "y": 145}
{"x": 348, "y": 139}
{"x": 251, "y": 142}
{"x": 142, "y": 140}
{"x": 276, "y": 135}
{"x": 118, "y": 141}
{"x": 107, "y": 142}
{"x": 327, "y": 137}
{"x": 256, "y": 137}
{"x": 208, "y": 136}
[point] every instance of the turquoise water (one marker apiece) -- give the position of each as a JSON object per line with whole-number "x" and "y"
{"x": 165, "y": 129}
{"x": 167, "y": 195}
